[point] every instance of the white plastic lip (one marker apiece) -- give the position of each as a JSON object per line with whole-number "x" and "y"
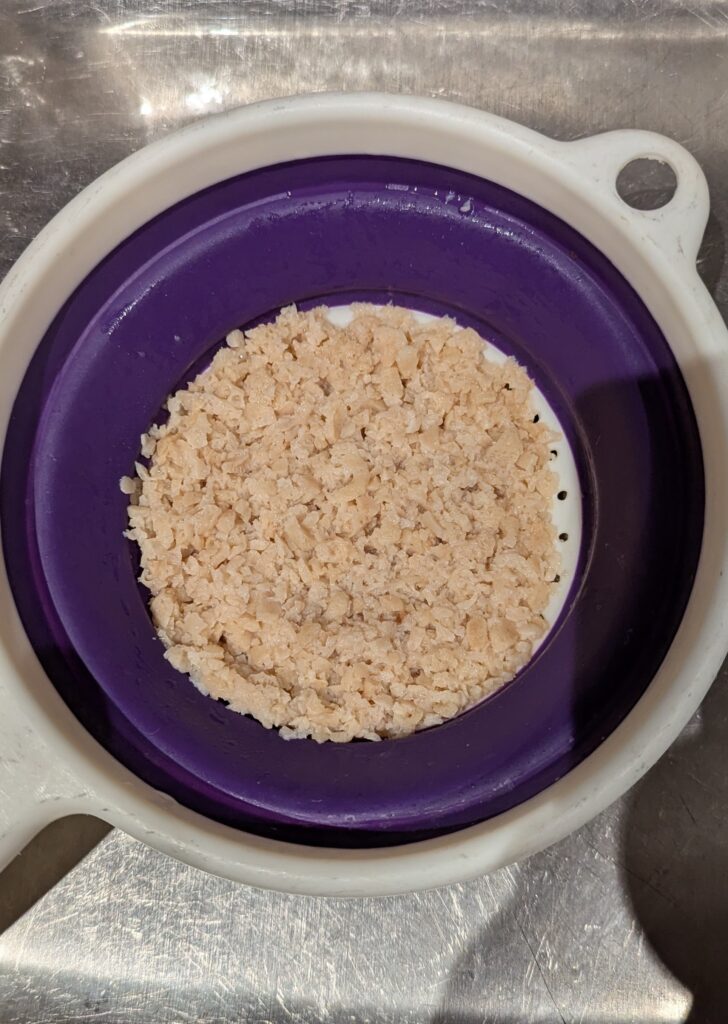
{"x": 655, "y": 251}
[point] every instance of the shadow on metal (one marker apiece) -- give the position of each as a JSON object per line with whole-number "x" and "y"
{"x": 44, "y": 862}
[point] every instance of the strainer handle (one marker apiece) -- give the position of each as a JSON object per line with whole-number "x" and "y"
{"x": 679, "y": 225}
{"x": 35, "y": 787}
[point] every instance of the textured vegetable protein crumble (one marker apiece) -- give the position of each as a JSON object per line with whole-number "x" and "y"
{"x": 347, "y": 531}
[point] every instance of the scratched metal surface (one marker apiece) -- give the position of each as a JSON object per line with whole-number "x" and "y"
{"x": 625, "y": 921}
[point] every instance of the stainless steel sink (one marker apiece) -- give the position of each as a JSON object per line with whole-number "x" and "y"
{"x": 625, "y": 921}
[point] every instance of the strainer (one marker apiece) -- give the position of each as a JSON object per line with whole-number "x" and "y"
{"x": 331, "y": 199}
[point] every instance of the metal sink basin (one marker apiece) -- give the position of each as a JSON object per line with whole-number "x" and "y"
{"x": 625, "y": 921}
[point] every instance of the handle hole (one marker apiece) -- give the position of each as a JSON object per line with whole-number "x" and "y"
{"x": 646, "y": 183}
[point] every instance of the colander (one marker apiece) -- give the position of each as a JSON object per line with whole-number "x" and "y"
{"x": 335, "y": 198}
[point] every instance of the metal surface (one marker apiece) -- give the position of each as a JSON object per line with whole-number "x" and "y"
{"x": 625, "y": 921}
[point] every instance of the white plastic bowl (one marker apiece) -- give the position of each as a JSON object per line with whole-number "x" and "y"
{"x": 51, "y": 767}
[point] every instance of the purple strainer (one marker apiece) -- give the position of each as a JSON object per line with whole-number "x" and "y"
{"x": 330, "y": 230}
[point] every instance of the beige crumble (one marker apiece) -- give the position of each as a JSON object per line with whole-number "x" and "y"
{"x": 347, "y": 532}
